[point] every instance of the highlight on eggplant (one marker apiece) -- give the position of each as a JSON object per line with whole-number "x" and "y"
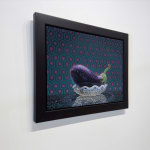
{"x": 87, "y": 82}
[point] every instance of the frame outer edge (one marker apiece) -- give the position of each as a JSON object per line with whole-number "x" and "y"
{"x": 40, "y": 113}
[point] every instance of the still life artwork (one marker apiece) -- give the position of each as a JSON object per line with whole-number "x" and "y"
{"x": 82, "y": 69}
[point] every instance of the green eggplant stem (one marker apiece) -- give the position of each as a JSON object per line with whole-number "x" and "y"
{"x": 104, "y": 76}
{"x": 109, "y": 66}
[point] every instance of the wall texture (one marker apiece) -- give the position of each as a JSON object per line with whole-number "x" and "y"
{"x": 118, "y": 130}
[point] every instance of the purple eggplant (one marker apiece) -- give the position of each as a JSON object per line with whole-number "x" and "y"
{"x": 82, "y": 76}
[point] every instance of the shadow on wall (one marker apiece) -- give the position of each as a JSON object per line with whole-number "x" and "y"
{"x": 79, "y": 119}
{"x": 30, "y": 93}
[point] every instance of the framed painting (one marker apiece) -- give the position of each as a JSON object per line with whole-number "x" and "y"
{"x": 79, "y": 69}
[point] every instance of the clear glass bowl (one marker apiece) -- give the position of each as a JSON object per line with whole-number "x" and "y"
{"x": 90, "y": 91}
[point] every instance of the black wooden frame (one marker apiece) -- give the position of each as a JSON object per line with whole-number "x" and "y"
{"x": 40, "y": 91}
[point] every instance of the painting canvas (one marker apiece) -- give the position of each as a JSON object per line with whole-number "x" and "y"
{"x": 82, "y": 69}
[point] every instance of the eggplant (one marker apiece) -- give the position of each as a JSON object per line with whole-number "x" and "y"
{"x": 83, "y": 76}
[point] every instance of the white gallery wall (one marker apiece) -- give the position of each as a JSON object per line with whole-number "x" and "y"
{"x": 118, "y": 130}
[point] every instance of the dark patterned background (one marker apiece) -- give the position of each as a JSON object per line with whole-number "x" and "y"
{"x": 66, "y": 48}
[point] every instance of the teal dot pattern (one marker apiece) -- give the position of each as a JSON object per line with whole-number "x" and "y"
{"x": 66, "y": 48}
